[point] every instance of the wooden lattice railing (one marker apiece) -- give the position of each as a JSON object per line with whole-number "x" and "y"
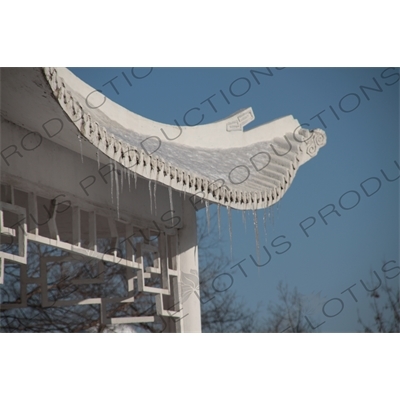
{"x": 64, "y": 255}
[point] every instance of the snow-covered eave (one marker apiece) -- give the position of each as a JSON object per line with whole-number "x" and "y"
{"x": 73, "y": 96}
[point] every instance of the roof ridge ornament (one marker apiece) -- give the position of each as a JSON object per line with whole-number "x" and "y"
{"x": 318, "y": 140}
{"x": 240, "y": 119}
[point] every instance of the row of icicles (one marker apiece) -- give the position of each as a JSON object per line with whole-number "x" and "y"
{"x": 126, "y": 174}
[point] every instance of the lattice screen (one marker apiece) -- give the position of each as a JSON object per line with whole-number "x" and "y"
{"x": 66, "y": 262}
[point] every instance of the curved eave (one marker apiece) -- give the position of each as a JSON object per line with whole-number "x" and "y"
{"x": 208, "y": 162}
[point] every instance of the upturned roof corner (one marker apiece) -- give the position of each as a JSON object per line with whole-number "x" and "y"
{"x": 217, "y": 163}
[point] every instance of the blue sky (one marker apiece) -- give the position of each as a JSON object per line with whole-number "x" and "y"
{"x": 362, "y": 127}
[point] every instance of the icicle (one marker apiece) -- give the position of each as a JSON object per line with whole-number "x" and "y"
{"x": 129, "y": 180}
{"x": 265, "y": 223}
{"x": 270, "y": 214}
{"x": 80, "y": 145}
{"x": 219, "y": 220}
{"x": 244, "y": 220}
{"x": 151, "y": 198}
{"x": 135, "y": 176}
{"x": 273, "y": 215}
{"x": 256, "y": 233}
{"x": 116, "y": 186}
{"x": 112, "y": 183}
{"x": 230, "y": 228}
{"x": 122, "y": 178}
{"x": 170, "y": 200}
{"x": 98, "y": 159}
{"x": 155, "y": 198}
{"x": 208, "y": 215}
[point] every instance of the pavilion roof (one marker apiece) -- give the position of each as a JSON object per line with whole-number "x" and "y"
{"x": 217, "y": 162}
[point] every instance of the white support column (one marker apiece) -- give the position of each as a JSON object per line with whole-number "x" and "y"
{"x": 76, "y": 226}
{"x": 92, "y": 231}
{"x": 33, "y": 214}
{"x": 129, "y": 255}
{"x": 52, "y": 223}
{"x": 189, "y": 270}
